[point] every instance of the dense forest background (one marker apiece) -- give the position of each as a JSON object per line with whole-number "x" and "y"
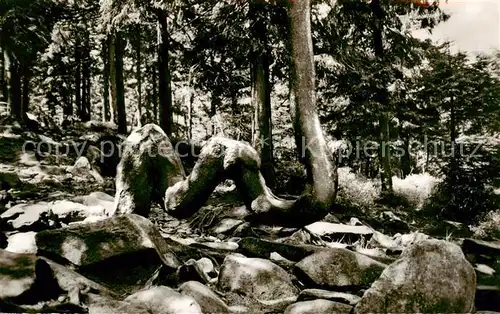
{"x": 411, "y": 124}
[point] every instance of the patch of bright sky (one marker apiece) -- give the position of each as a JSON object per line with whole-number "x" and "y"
{"x": 474, "y": 26}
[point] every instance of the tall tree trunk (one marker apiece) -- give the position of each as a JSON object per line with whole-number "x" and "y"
{"x": 3, "y": 77}
{"x": 15, "y": 89}
{"x": 112, "y": 79}
{"x": 261, "y": 93}
{"x": 26, "y": 76}
{"x": 214, "y": 104}
{"x": 165, "y": 90}
{"x": 154, "y": 74}
{"x": 321, "y": 171}
{"x": 138, "y": 75}
{"x": 78, "y": 80}
{"x": 406, "y": 158}
{"x": 385, "y": 153}
{"x": 383, "y": 99}
{"x": 105, "y": 77}
{"x": 120, "y": 89}
{"x": 86, "y": 86}
{"x": 454, "y": 155}
{"x": 83, "y": 111}
{"x": 189, "y": 104}
{"x": 68, "y": 100}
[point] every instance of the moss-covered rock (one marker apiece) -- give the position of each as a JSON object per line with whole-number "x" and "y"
{"x": 122, "y": 251}
{"x": 337, "y": 267}
{"x": 149, "y": 165}
{"x": 432, "y": 276}
{"x": 255, "y": 277}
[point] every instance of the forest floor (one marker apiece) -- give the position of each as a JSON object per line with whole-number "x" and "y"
{"x": 34, "y": 183}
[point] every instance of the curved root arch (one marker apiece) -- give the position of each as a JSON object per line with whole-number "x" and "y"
{"x": 142, "y": 177}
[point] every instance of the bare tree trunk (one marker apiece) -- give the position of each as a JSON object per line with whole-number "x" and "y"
{"x": 155, "y": 94}
{"x": 189, "y": 103}
{"x": 105, "y": 77}
{"x": 120, "y": 89}
{"x": 321, "y": 170}
{"x": 86, "y": 86}
{"x": 112, "y": 79}
{"x": 3, "y": 77}
{"x": 454, "y": 156}
{"x": 214, "y": 104}
{"x": 261, "y": 93}
{"x": 26, "y": 75}
{"x": 78, "y": 80}
{"x": 138, "y": 75}
{"x": 405, "y": 158}
{"x": 165, "y": 90}
{"x": 68, "y": 104}
{"x": 15, "y": 89}
{"x": 383, "y": 99}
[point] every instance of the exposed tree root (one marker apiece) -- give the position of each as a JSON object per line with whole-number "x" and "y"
{"x": 143, "y": 177}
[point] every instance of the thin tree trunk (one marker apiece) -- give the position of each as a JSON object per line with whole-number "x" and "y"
{"x": 15, "y": 90}
{"x": 120, "y": 89}
{"x": 68, "y": 108}
{"x": 385, "y": 153}
{"x": 3, "y": 80}
{"x": 406, "y": 158}
{"x": 165, "y": 90}
{"x": 261, "y": 94}
{"x": 138, "y": 76}
{"x": 214, "y": 104}
{"x": 383, "y": 99}
{"x": 86, "y": 86}
{"x": 454, "y": 162}
{"x": 189, "y": 103}
{"x": 78, "y": 80}
{"x": 321, "y": 171}
{"x": 155, "y": 94}
{"x": 112, "y": 79}
{"x": 105, "y": 77}
{"x": 26, "y": 75}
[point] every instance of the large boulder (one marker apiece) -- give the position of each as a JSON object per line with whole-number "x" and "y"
{"x": 149, "y": 165}
{"x": 74, "y": 285}
{"x": 164, "y": 300}
{"x": 98, "y": 304}
{"x": 318, "y": 306}
{"x": 255, "y": 277}
{"x": 338, "y": 267}
{"x": 17, "y": 273}
{"x": 122, "y": 252}
{"x": 24, "y": 279}
{"x": 432, "y": 276}
{"x": 206, "y": 298}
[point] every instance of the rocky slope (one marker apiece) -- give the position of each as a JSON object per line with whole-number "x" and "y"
{"x": 60, "y": 253}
